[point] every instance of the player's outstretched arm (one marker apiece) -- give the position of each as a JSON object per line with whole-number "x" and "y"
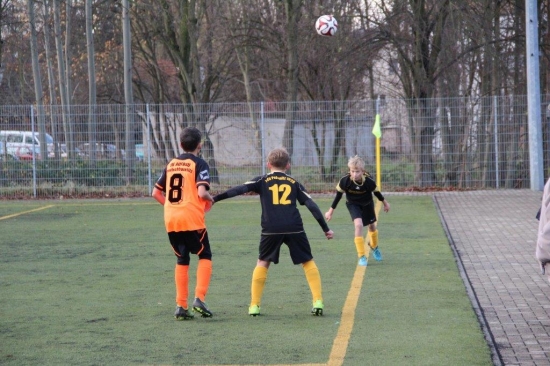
{"x": 232, "y": 192}
{"x": 317, "y": 214}
{"x": 337, "y": 198}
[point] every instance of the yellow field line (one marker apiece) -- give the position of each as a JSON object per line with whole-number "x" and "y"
{"x": 25, "y": 212}
{"x": 340, "y": 345}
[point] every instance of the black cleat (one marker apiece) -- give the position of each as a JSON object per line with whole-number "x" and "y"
{"x": 183, "y": 314}
{"x": 201, "y": 308}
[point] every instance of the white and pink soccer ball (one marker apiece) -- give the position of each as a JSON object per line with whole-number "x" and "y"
{"x": 326, "y": 25}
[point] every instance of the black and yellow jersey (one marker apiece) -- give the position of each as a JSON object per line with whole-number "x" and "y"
{"x": 183, "y": 209}
{"x": 357, "y": 192}
{"x": 279, "y": 195}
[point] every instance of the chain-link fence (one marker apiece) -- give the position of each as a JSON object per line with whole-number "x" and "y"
{"x": 120, "y": 150}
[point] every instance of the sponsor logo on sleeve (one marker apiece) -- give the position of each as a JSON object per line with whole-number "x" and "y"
{"x": 204, "y": 175}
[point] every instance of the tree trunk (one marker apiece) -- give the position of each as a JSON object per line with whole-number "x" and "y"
{"x": 51, "y": 79}
{"x": 293, "y": 14}
{"x": 67, "y": 127}
{"x": 37, "y": 83}
{"x": 128, "y": 96}
{"x": 92, "y": 120}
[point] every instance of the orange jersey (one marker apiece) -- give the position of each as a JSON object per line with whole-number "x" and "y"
{"x": 183, "y": 209}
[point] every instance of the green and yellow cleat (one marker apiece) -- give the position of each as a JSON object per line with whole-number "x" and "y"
{"x": 254, "y": 310}
{"x": 317, "y": 308}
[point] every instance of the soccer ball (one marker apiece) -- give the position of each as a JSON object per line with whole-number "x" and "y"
{"x": 326, "y": 25}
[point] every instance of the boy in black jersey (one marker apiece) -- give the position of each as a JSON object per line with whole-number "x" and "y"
{"x": 282, "y": 224}
{"x": 359, "y": 188}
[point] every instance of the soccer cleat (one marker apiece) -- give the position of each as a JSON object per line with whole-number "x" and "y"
{"x": 362, "y": 261}
{"x": 317, "y": 309}
{"x": 376, "y": 254}
{"x": 254, "y": 310}
{"x": 183, "y": 314}
{"x": 201, "y": 308}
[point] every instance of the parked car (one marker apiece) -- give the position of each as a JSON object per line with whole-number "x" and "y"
{"x": 6, "y": 156}
{"x": 15, "y": 139}
{"x": 26, "y": 152}
{"x": 103, "y": 151}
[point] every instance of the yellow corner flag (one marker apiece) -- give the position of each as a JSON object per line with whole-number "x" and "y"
{"x": 376, "y": 131}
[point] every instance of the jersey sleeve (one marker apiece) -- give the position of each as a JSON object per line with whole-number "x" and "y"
{"x": 160, "y": 184}
{"x": 248, "y": 186}
{"x": 302, "y": 196}
{"x": 202, "y": 174}
{"x": 337, "y": 199}
{"x": 371, "y": 185}
{"x": 317, "y": 214}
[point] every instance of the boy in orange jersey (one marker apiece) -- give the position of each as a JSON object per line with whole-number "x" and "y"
{"x": 183, "y": 191}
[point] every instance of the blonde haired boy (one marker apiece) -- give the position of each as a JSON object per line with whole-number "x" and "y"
{"x": 359, "y": 188}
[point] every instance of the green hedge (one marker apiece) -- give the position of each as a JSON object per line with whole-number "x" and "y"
{"x": 80, "y": 172}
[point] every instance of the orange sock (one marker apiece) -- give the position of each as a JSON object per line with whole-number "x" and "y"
{"x": 204, "y": 272}
{"x": 182, "y": 279}
{"x": 259, "y": 276}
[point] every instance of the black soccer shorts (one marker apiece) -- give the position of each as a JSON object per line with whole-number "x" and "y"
{"x": 194, "y": 242}
{"x": 366, "y": 213}
{"x": 298, "y": 245}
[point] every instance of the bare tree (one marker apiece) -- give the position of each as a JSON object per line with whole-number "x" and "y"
{"x": 414, "y": 28}
{"x": 63, "y": 82}
{"x": 241, "y": 36}
{"x": 92, "y": 120}
{"x": 3, "y": 10}
{"x": 293, "y": 15}
{"x": 50, "y": 72}
{"x": 37, "y": 81}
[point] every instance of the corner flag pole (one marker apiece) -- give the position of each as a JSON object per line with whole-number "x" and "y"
{"x": 377, "y": 131}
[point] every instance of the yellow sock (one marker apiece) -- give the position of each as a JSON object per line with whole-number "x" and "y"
{"x": 181, "y": 278}
{"x": 259, "y": 277}
{"x": 204, "y": 272}
{"x": 359, "y": 245}
{"x": 373, "y": 239}
{"x": 313, "y": 279}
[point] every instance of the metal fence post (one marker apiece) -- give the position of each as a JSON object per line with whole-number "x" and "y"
{"x": 495, "y": 109}
{"x": 148, "y": 129}
{"x": 33, "y": 155}
{"x": 262, "y": 136}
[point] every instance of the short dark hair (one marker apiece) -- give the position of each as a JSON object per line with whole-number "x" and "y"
{"x": 190, "y": 138}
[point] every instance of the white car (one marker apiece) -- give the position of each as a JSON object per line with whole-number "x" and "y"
{"x": 16, "y": 139}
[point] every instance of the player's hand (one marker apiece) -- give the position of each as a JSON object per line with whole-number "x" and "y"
{"x": 207, "y": 205}
{"x": 329, "y": 234}
{"x": 328, "y": 215}
{"x": 386, "y": 206}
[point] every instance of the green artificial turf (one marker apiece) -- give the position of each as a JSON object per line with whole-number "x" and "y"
{"x": 91, "y": 283}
